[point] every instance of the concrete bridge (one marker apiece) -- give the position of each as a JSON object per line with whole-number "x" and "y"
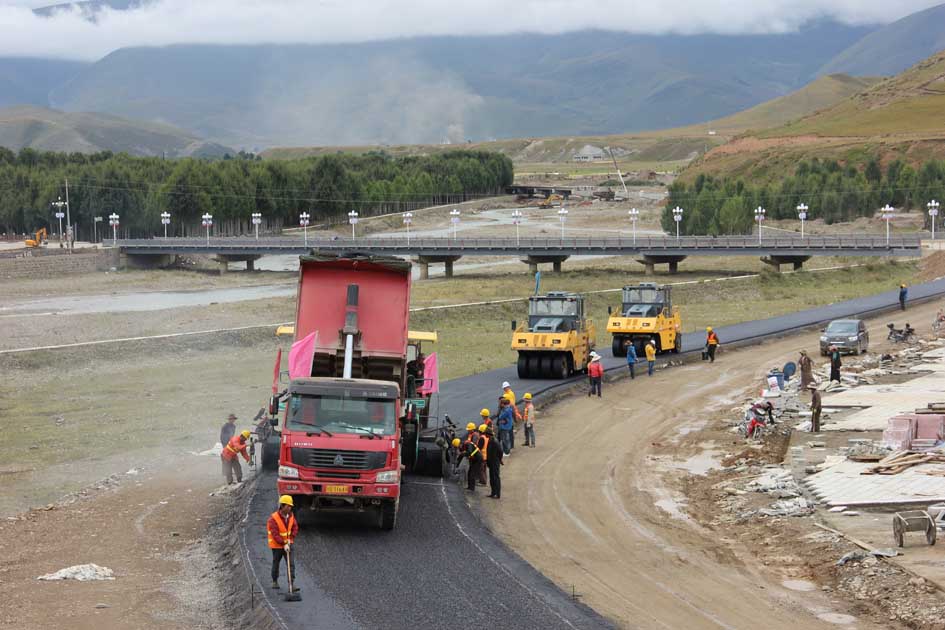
{"x": 649, "y": 251}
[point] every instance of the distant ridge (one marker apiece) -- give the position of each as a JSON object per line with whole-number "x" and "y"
{"x": 49, "y": 130}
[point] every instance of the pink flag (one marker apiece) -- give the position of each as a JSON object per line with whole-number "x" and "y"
{"x": 301, "y": 356}
{"x": 431, "y": 376}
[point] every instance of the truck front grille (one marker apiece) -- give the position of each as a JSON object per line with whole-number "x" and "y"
{"x": 329, "y": 458}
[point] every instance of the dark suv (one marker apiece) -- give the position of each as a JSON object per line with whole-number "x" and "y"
{"x": 849, "y": 335}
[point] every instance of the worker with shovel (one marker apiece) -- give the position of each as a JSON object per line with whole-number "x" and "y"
{"x": 282, "y": 529}
{"x": 230, "y": 456}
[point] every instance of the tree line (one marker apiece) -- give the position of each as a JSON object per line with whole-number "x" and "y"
{"x": 328, "y": 187}
{"x": 834, "y": 193}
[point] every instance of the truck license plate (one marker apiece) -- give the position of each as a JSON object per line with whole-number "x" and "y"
{"x": 337, "y": 489}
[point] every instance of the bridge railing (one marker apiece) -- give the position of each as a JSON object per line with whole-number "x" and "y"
{"x": 527, "y": 244}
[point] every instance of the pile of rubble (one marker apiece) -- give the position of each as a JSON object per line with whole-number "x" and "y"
{"x": 912, "y": 601}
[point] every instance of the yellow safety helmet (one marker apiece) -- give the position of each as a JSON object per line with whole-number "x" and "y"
{"x": 484, "y": 413}
{"x": 527, "y": 396}
{"x": 246, "y": 434}
{"x": 456, "y": 442}
{"x": 471, "y": 426}
{"x": 482, "y": 428}
{"x": 708, "y": 328}
{"x": 285, "y": 499}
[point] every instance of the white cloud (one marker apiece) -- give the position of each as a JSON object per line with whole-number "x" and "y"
{"x": 69, "y": 35}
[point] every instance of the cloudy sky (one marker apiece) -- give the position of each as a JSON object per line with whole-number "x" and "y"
{"x": 69, "y": 35}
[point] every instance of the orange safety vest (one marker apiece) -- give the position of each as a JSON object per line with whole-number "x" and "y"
{"x": 712, "y": 339}
{"x": 529, "y": 413}
{"x": 485, "y": 446}
{"x": 233, "y": 448}
{"x": 284, "y": 529}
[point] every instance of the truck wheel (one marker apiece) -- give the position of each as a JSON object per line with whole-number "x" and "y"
{"x": 270, "y": 453}
{"x": 547, "y": 367}
{"x": 677, "y": 344}
{"x": 617, "y": 348}
{"x": 534, "y": 367}
{"x": 388, "y": 514}
{"x": 561, "y": 367}
{"x": 522, "y": 366}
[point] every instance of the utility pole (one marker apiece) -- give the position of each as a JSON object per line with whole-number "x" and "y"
{"x": 69, "y": 235}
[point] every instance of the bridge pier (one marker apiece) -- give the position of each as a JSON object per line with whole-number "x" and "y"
{"x": 649, "y": 262}
{"x": 534, "y": 261}
{"x": 777, "y": 261}
{"x": 224, "y": 260}
{"x": 424, "y": 262}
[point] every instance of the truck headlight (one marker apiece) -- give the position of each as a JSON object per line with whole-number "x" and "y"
{"x": 289, "y": 471}
{"x": 823, "y": 339}
{"x": 388, "y": 476}
{"x": 852, "y": 338}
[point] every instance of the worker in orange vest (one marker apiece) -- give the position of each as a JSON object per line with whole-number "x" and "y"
{"x": 711, "y": 343}
{"x": 595, "y": 372}
{"x": 231, "y": 464}
{"x": 529, "y": 416}
{"x": 484, "y": 441}
{"x": 282, "y": 529}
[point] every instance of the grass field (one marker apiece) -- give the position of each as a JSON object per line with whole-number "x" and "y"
{"x": 477, "y": 338}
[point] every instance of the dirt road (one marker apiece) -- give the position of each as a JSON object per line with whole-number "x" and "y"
{"x": 589, "y": 508}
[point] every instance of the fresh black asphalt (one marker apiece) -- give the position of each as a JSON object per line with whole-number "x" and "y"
{"x": 441, "y": 566}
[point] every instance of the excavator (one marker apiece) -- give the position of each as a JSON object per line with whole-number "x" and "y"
{"x": 550, "y": 200}
{"x": 38, "y": 240}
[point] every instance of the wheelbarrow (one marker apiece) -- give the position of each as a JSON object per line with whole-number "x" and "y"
{"x": 913, "y": 521}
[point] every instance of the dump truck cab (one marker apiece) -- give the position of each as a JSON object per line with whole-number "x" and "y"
{"x": 646, "y": 313}
{"x": 557, "y": 339}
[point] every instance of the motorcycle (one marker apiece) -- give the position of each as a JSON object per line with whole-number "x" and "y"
{"x": 901, "y": 335}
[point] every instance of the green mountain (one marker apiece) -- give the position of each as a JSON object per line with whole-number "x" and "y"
{"x": 894, "y": 47}
{"x": 50, "y": 130}
{"x": 817, "y": 95}
{"x": 895, "y": 118}
{"x": 430, "y": 90}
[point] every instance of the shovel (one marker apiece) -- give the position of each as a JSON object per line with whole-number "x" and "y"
{"x": 293, "y": 595}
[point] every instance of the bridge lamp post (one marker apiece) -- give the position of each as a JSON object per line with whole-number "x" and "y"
{"x": 207, "y": 223}
{"x": 562, "y": 216}
{"x": 677, "y": 217}
{"x": 517, "y": 220}
{"x": 113, "y": 221}
{"x": 802, "y": 215}
{"x": 59, "y": 205}
{"x": 257, "y": 219}
{"x": 165, "y": 220}
{"x": 634, "y": 217}
{"x": 303, "y": 221}
{"x": 408, "y": 219}
{"x": 888, "y": 212}
{"x": 759, "y": 217}
{"x": 454, "y": 219}
{"x": 353, "y": 220}
{"x": 933, "y": 212}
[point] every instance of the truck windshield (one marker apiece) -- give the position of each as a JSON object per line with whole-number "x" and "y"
{"x": 338, "y": 413}
{"x": 643, "y": 296}
{"x": 553, "y": 308}
{"x": 841, "y": 328}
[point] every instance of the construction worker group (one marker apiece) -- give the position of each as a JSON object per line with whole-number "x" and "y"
{"x": 485, "y": 446}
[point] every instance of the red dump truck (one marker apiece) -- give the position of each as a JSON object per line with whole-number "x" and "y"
{"x": 341, "y": 436}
